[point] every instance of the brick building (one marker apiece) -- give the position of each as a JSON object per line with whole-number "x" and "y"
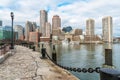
{"x": 34, "y": 37}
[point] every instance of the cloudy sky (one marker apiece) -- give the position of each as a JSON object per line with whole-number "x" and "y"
{"x": 72, "y": 12}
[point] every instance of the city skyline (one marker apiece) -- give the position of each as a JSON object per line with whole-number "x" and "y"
{"x": 73, "y": 13}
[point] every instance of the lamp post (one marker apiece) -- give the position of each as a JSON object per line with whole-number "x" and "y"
{"x": 12, "y": 17}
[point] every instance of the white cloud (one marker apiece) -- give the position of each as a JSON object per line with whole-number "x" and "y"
{"x": 72, "y": 13}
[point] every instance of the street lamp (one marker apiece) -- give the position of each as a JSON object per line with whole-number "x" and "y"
{"x": 12, "y": 17}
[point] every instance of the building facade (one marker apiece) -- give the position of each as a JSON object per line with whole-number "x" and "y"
{"x": 56, "y": 22}
{"x": 56, "y": 25}
{"x": 6, "y": 32}
{"x": 34, "y": 26}
{"x": 90, "y": 23}
{"x": 28, "y": 29}
{"x": 78, "y": 32}
{"x": 48, "y": 29}
{"x": 19, "y": 29}
{"x": 107, "y": 29}
{"x": 43, "y": 20}
{"x": 34, "y": 37}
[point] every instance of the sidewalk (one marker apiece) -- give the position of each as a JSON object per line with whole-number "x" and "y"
{"x": 27, "y": 65}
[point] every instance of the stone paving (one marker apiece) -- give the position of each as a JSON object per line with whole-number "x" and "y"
{"x": 26, "y": 64}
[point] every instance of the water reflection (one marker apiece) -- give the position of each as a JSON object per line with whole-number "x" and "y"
{"x": 88, "y": 56}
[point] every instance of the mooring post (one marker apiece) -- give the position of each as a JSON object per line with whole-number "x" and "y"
{"x": 54, "y": 56}
{"x": 43, "y": 52}
{"x": 108, "y": 57}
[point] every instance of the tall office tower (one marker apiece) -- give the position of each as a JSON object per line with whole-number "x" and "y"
{"x": 34, "y": 26}
{"x": 28, "y": 29}
{"x": 43, "y": 20}
{"x": 107, "y": 29}
{"x": 90, "y": 27}
{"x": 19, "y": 29}
{"x": 48, "y": 29}
{"x": 56, "y": 22}
{"x": 0, "y": 23}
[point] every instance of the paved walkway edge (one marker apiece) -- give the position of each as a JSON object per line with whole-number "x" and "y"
{"x": 6, "y": 55}
{"x": 62, "y": 70}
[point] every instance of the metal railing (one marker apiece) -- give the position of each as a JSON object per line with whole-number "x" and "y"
{"x": 54, "y": 60}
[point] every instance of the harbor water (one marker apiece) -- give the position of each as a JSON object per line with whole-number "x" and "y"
{"x": 86, "y": 56}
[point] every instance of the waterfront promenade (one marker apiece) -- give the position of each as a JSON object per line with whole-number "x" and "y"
{"x": 26, "y": 64}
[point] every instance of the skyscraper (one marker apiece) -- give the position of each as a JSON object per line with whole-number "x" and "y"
{"x": 19, "y": 29}
{"x": 90, "y": 27}
{"x": 56, "y": 22}
{"x": 56, "y": 25}
{"x": 48, "y": 29}
{"x": 34, "y": 26}
{"x": 28, "y": 29}
{"x": 0, "y": 23}
{"x": 107, "y": 29}
{"x": 43, "y": 20}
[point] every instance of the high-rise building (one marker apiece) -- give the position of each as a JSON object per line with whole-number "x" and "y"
{"x": 0, "y": 23}
{"x": 56, "y": 25}
{"x": 34, "y": 26}
{"x": 56, "y": 22}
{"x": 90, "y": 27}
{"x": 48, "y": 29}
{"x": 107, "y": 29}
{"x": 43, "y": 20}
{"x": 19, "y": 29}
{"x": 28, "y": 29}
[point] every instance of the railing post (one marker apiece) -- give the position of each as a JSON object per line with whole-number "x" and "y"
{"x": 54, "y": 56}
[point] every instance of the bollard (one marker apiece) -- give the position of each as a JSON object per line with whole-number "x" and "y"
{"x": 108, "y": 57}
{"x": 33, "y": 48}
{"x": 43, "y": 51}
{"x": 54, "y": 58}
{"x": 109, "y": 74}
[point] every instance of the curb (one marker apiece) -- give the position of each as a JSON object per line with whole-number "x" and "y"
{"x": 4, "y": 57}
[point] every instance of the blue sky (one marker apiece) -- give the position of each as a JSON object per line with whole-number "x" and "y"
{"x": 72, "y": 12}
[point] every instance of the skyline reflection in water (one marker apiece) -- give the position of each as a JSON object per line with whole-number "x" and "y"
{"x": 86, "y": 56}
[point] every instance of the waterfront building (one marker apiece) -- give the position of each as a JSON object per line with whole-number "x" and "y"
{"x": 107, "y": 29}
{"x": 5, "y": 33}
{"x": 56, "y": 22}
{"x": 34, "y": 37}
{"x": 56, "y": 25}
{"x": 48, "y": 29}
{"x": 19, "y": 29}
{"x": 78, "y": 32}
{"x": 0, "y": 23}
{"x": 90, "y": 23}
{"x": 28, "y": 29}
{"x": 43, "y": 20}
